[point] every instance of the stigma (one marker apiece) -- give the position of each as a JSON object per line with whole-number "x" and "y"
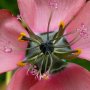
{"x": 47, "y": 47}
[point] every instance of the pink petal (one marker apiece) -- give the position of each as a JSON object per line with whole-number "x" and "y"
{"x": 73, "y": 77}
{"x": 11, "y": 50}
{"x": 36, "y": 13}
{"x": 21, "y": 80}
{"x": 82, "y": 24}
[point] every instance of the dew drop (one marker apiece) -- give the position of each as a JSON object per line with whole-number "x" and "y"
{"x": 53, "y": 4}
{"x": 7, "y": 49}
{"x": 83, "y": 31}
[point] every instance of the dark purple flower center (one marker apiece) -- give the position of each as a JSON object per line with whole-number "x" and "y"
{"x": 47, "y": 47}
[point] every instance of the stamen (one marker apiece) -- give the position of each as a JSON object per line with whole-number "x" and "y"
{"x": 62, "y": 24}
{"x": 23, "y": 37}
{"x": 45, "y": 76}
{"x": 79, "y": 51}
{"x": 20, "y": 38}
{"x": 32, "y": 47}
{"x": 32, "y": 69}
{"x": 21, "y": 64}
{"x": 58, "y": 35}
{"x": 75, "y": 39}
{"x": 49, "y": 25}
{"x": 63, "y": 35}
{"x": 65, "y": 52}
{"x": 51, "y": 63}
{"x": 39, "y": 73}
{"x": 82, "y": 32}
{"x": 34, "y": 59}
{"x": 73, "y": 31}
{"x": 74, "y": 54}
{"x": 46, "y": 63}
{"x": 33, "y": 36}
{"x": 61, "y": 46}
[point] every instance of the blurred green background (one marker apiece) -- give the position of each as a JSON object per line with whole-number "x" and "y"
{"x": 12, "y": 6}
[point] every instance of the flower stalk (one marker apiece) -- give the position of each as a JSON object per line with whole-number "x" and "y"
{"x": 8, "y": 77}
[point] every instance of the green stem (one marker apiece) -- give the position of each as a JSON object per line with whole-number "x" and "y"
{"x": 8, "y": 77}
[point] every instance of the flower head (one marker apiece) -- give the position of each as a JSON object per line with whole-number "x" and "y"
{"x": 51, "y": 35}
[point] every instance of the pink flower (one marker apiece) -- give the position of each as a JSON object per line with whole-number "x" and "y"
{"x": 36, "y": 13}
{"x": 73, "y": 77}
{"x": 11, "y": 50}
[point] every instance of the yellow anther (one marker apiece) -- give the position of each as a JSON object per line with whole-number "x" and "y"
{"x": 78, "y": 52}
{"x": 21, "y": 64}
{"x": 21, "y": 36}
{"x": 45, "y": 76}
{"x": 62, "y": 24}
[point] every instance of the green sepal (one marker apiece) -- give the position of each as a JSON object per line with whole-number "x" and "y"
{"x": 82, "y": 62}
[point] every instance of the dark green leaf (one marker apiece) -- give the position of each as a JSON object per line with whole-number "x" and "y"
{"x": 82, "y": 62}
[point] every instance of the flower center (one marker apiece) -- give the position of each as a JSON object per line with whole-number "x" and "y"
{"x": 47, "y": 54}
{"x": 47, "y": 47}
